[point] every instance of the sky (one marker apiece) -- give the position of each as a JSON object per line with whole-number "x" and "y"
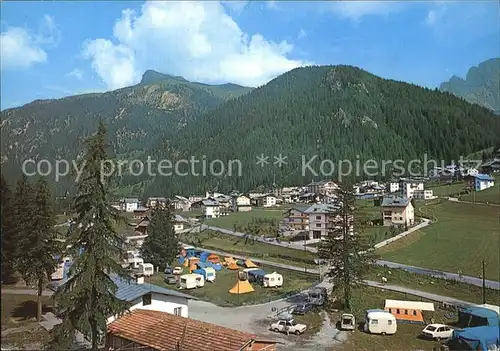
{"x": 55, "y": 49}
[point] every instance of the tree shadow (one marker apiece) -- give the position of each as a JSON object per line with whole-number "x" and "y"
{"x": 27, "y": 310}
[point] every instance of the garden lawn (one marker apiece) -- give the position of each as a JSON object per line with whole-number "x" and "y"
{"x": 462, "y": 236}
{"x": 236, "y": 245}
{"x": 406, "y": 337}
{"x": 218, "y": 292}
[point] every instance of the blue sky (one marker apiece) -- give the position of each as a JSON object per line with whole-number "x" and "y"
{"x": 55, "y": 49}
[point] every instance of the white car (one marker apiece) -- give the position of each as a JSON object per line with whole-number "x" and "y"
{"x": 289, "y": 326}
{"x": 437, "y": 331}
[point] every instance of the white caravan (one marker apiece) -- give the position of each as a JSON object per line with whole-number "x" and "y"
{"x": 191, "y": 281}
{"x": 380, "y": 322}
{"x": 147, "y": 269}
{"x": 272, "y": 280}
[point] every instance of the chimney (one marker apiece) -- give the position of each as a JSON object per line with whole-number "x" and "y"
{"x": 139, "y": 279}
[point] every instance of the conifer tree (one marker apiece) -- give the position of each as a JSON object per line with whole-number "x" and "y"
{"x": 8, "y": 243}
{"x": 88, "y": 298}
{"x": 347, "y": 251}
{"x": 38, "y": 245}
{"x": 161, "y": 245}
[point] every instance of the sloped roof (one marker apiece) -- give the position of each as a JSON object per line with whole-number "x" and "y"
{"x": 164, "y": 332}
{"x": 129, "y": 291}
{"x": 483, "y": 177}
{"x": 321, "y": 208}
{"x": 395, "y": 201}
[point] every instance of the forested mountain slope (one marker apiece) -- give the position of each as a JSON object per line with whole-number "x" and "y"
{"x": 137, "y": 118}
{"x": 480, "y": 86}
{"x": 335, "y": 112}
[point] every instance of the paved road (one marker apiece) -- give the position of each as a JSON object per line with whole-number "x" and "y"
{"x": 454, "y": 199}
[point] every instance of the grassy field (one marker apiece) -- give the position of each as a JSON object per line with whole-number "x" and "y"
{"x": 244, "y": 218}
{"x": 20, "y": 310}
{"x": 235, "y": 245}
{"x": 449, "y": 288}
{"x": 462, "y": 236}
{"x": 406, "y": 337}
{"x": 490, "y": 195}
{"x": 448, "y": 189}
{"x": 218, "y": 292}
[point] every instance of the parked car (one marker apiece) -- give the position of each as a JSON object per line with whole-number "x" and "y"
{"x": 169, "y": 270}
{"x": 302, "y": 309}
{"x": 170, "y": 279}
{"x": 177, "y": 270}
{"x": 437, "y": 331}
{"x": 288, "y": 326}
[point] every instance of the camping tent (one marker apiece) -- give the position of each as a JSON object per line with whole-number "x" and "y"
{"x": 228, "y": 260}
{"x": 204, "y": 255}
{"x": 241, "y": 287}
{"x": 213, "y": 258}
{"x": 232, "y": 266}
{"x": 250, "y": 264}
{"x": 477, "y": 317}
{"x": 408, "y": 311}
{"x": 478, "y": 338}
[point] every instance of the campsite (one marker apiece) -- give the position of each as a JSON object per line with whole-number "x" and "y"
{"x": 225, "y": 281}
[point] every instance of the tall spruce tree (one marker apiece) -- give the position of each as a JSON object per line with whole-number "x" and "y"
{"x": 88, "y": 297}
{"x": 347, "y": 251}
{"x": 38, "y": 245}
{"x": 8, "y": 242}
{"x": 161, "y": 245}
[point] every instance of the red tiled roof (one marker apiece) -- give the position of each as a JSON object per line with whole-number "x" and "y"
{"x": 162, "y": 331}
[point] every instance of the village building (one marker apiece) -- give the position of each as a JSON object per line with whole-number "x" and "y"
{"x": 160, "y": 331}
{"x": 296, "y": 219}
{"x": 491, "y": 166}
{"x": 397, "y": 211}
{"x": 140, "y": 212}
{"x": 180, "y": 203}
{"x": 325, "y": 187}
{"x": 266, "y": 200}
{"x": 481, "y": 181}
{"x": 319, "y": 220}
{"x": 241, "y": 203}
{"x": 180, "y": 223}
{"x": 423, "y": 194}
{"x": 408, "y": 187}
{"x": 142, "y": 226}
{"x": 156, "y": 201}
{"x": 211, "y": 208}
{"x": 130, "y": 204}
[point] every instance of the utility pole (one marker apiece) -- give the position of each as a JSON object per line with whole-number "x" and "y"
{"x": 305, "y": 251}
{"x": 484, "y": 283}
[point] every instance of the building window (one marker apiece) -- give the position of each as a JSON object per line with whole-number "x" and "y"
{"x": 318, "y": 225}
{"x": 406, "y": 311}
{"x": 397, "y": 311}
{"x": 414, "y": 313}
{"x": 178, "y": 311}
{"x": 318, "y": 217}
{"x": 146, "y": 299}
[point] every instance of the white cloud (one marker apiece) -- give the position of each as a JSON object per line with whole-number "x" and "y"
{"x": 76, "y": 73}
{"x": 436, "y": 14}
{"x": 196, "y": 40}
{"x": 302, "y": 34}
{"x": 355, "y": 10}
{"x": 19, "y": 49}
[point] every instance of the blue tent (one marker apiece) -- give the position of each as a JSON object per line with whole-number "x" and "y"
{"x": 200, "y": 271}
{"x": 477, "y": 317}
{"x": 478, "y": 338}
{"x": 256, "y": 275}
{"x": 190, "y": 253}
{"x": 180, "y": 260}
{"x": 201, "y": 264}
{"x": 204, "y": 255}
{"x": 216, "y": 266}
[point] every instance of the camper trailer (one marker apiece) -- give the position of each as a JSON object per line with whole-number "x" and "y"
{"x": 146, "y": 269}
{"x": 191, "y": 281}
{"x": 255, "y": 275}
{"x": 273, "y": 280}
{"x": 380, "y": 322}
{"x": 133, "y": 260}
{"x": 61, "y": 269}
{"x": 208, "y": 273}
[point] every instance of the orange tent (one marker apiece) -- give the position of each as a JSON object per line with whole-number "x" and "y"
{"x": 213, "y": 258}
{"x": 232, "y": 266}
{"x": 241, "y": 287}
{"x": 229, "y": 260}
{"x": 250, "y": 264}
{"x": 186, "y": 263}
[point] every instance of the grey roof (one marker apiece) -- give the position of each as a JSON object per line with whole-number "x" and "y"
{"x": 181, "y": 198}
{"x": 321, "y": 208}
{"x": 179, "y": 218}
{"x": 129, "y": 200}
{"x": 210, "y": 202}
{"x": 130, "y": 290}
{"x": 395, "y": 202}
{"x": 157, "y": 199}
{"x": 141, "y": 208}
